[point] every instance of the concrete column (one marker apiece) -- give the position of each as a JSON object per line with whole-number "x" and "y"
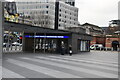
{"x": 74, "y": 43}
{"x": 1, "y": 29}
{"x": 119, "y": 10}
{"x": 23, "y": 42}
{"x": 34, "y": 43}
{"x": 1, "y": 36}
{"x": 44, "y": 43}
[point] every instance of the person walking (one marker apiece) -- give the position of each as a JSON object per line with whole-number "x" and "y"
{"x": 62, "y": 48}
{"x": 70, "y": 50}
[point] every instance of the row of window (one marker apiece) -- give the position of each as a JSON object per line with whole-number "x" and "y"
{"x": 69, "y": 17}
{"x": 71, "y": 3}
{"x": 42, "y": 1}
{"x": 66, "y": 23}
{"x": 35, "y": 7}
{"x": 43, "y": 23}
{"x": 68, "y": 13}
{"x": 68, "y": 7}
{"x": 41, "y": 12}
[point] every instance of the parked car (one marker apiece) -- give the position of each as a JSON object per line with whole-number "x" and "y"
{"x": 5, "y": 44}
{"x": 16, "y": 44}
{"x": 97, "y": 47}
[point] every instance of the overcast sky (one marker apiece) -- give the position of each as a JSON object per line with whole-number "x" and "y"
{"x": 98, "y": 12}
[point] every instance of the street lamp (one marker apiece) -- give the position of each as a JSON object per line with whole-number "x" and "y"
{"x": 118, "y": 33}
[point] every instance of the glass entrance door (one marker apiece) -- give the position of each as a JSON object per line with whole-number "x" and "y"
{"x": 45, "y": 45}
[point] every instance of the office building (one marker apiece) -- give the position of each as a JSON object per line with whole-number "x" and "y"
{"x": 55, "y": 14}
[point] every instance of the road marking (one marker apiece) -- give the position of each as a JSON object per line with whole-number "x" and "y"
{"x": 92, "y": 62}
{"x": 95, "y": 60}
{"x": 10, "y": 74}
{"x": 93, "y": 72}
{"x": 83, "y": 64}
{"x": 47, "y": 71}
{"x": 0, "y": 71}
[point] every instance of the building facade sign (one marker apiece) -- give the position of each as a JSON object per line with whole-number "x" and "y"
{"x": 40, "y": 36}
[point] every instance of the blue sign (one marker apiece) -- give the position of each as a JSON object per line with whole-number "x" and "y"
{"x": 39, "y": 36}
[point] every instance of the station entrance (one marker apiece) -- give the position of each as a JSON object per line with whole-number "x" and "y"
{"x": 46, "y": 43}
{"x": 50, "y": 45}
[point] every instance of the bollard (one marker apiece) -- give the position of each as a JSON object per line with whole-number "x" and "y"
{"x": 106, "y": 48}
{"x": 95, "y": 48}
{"x": 15, "y": 47}
{"x": 112, "y": 49}
{"x": 100, "y": 49}
{"x": 19, "y": 47}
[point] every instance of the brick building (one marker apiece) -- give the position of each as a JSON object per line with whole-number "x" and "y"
{"x": 106, "y": 35}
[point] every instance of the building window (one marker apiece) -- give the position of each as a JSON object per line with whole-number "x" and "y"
{"x": 60, "y": 15}
{"x": 47, "y": 6}
{"x": 59, "y": 25}
{"x": 60, "y": 10}
{"x": 59, "y": 19}
{"x": 47, "y": 12}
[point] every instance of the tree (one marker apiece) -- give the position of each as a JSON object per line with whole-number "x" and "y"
{"x": 42, "y": 20}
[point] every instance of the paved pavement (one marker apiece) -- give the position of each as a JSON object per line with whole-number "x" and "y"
{"x": 95, "y": 64}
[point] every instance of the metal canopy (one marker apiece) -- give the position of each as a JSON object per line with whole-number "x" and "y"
{"x": 11, "y": 26}
{"x": 18, "y": 27}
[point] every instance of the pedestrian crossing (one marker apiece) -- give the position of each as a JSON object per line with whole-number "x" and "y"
{"x": 59, "y": 67}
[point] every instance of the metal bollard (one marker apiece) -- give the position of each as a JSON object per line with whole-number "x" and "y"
{"x": 106, "y": 48}
{"x": 11, "y": 47}
{"x": 15, "y": 47}
{"x": 19, "y": 47}
{"x": 112, "y": 49}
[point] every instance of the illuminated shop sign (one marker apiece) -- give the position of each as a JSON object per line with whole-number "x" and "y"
{"x": 38, "y": 36}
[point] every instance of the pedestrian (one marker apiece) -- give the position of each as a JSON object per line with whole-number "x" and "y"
{"x": 54, "y": 47}
{"x": 70, "y": 50}
{"x": 62, "y": 48}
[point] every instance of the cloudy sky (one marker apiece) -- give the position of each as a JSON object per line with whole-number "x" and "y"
{"x": 98, "y": 12}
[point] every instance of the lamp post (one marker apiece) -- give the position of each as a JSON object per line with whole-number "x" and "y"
{"x": 118, "y": 33}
